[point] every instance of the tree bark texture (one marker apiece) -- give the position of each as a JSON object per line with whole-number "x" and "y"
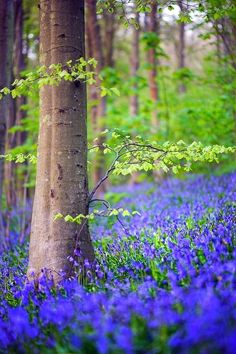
{"x": 61, "y": 181}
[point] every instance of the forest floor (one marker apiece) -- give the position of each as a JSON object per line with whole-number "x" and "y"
{"x": 166, "y": 279}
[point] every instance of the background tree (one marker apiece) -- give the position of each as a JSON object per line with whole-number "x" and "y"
{"x": 16, "y": 114}
{"x": 152, "y": 28}
{"x": 181, "y": 46}
{"x": 6, "y": 45}
{"x": 135, "y": 57}
{"x": 99, "y": 108}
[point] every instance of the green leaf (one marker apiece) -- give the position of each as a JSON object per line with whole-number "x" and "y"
{"x": 115, "y": 91}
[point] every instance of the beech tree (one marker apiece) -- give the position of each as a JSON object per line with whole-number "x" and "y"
{"x": 6, "y": 45}
{"x": 16, "y": 114}
{"x": 110, "y": 27}
{"x": 100, "y": 46}
{"x": 152, "y": 28}
{"x": 134, "y": 104}
{"x": 99, "y": 109}
{"x": 181, "y": 55}
{"x": 61, "y": 181}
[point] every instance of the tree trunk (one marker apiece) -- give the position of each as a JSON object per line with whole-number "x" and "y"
{"x": 20, "y": 59}
{"x": 182, "y": 87}
{"x": 61, "y": 181}
{"x": 16, "y": 114}
{"x": 152, "y": 26}
{"x": 226, "y": 30}
{"x": 99, "y": 113}
{"x": 6, "y": 36}
{"x": 134, "y": 99}
{"x": 19, "y": 65}
{"x": 108, "y": 40}
{"x": 134, "y": 104}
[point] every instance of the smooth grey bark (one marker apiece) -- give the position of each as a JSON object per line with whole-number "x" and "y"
{"x": 61, "y": 181}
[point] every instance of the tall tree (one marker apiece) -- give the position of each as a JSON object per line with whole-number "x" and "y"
{"x": 153, "y": 29}
{"x": 20, "y": 55}
{"x": 135, "y": 66}
{"x": 108, "y": 38}
{"x": 99, "y": 110}
{"x": 6, "y": 45}
{"x": 16, "y": 114}
{"x": 225, "y": 29}
{"x": 181, "y": 55}
{"x": 61, "y": 181}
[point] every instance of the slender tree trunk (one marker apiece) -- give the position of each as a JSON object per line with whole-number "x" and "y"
{"x": 16, "y": 114}
{"x": 98, "y": 116}
{"x": 134, "y": 99}
{"x": 6, "y": 31}
{"x": 182, "y": 26}
{"x": 134, "y": 104}
{"x": 226, "y": 30}
{"x": 19, "y": 65}
{"x": 20, "y": 58}
{"x": 108, "y": 40}
{"x": 152, "y": 26}
{"x": 9, "y": 172}
{"x": 218, "y": 48}
{"x": 61, "y": 181}
{"x": 182, "y": 45}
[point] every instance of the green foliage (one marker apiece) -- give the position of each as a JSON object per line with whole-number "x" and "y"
{"x": 20, "y": 158}
{"x": 204, "y": 112}
{"x": 52, "y": 75}
{"x": 137, "y": 154}
{"x": 78, "y": 219}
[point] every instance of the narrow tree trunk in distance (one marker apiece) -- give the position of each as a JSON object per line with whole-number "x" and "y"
{"x": 20, "y": 58}
{"x": 10, "y": 167}
{"x": 15, "y": 188}
{"x": 134, "y": 104}
{"x": 182, "y": 87}
{"x": 9, "y": 173}
{"x": 19, "y": 65}
{"x": 152, "y": 26}
{"x": 61, "y": 181}
{"x": 6, "y": 30}
{"x": 108, "y": 40}
{"x": 100, "y": 112}
{"x": 218, "y": 48}
{"x": 134, "y": 99}
{"x": 182, "y": 45}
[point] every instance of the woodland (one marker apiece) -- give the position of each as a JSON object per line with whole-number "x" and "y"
{"x": 118, "y": 176}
